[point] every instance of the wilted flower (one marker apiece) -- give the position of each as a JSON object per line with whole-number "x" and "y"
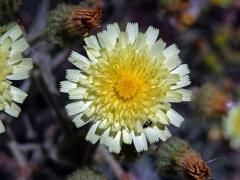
{"x": 85, "y": 173}
{"x": 231, "y": 125}
{"x": 13, "y": 67}
{"x": 125, "y": 87}
{"x": 177, "y": 156}
{"x": 69, "y": 23}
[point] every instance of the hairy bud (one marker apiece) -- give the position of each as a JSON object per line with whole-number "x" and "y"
{"x": 210, "y": 101}
{"x": 85, "y": 173}
{"x": 177, "y": 156}
{"x": 70, "y": 23}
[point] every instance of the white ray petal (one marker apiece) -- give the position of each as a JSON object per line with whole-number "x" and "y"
{"x": 164, "y": 134}
{"x": 74, "y": 75}
{"x": 175, "y": 118}
{"x": 12, "y": 109}
{"x": 78, "y": 121}
{"x": 92, "y": 42}
{"x": 104, "y": 139}
{"x": 127, "y": 139}
{"x": 171, "y": 51}
{"x": 152, "y": 134}
{"x": 184, "y": 81}
{"x": 113, "y": 32}
{"x": 91, "y": 136}
{"x": 186, "y": 94}
{"x": 19, "y": 46}
{"x": 151, "y": 36}
{"x": 66, "y": 86}
{"x": 157, "y": 48}
{"x": 163, "y": 119}
{"x": 181, "y": 70}
{"x": 2, "y": 128}
{"x": 92, "y": 54}
{"x": 77, "y": 93}
{"x": 140, "y": 141}
{"x": 17, "y": 94}
{"x": 14, "y": 33}
{"x": 172, "y": 62}
{"x": 106, "y": 40}
{"x": 79, "y": 60}
{"x": 115, "y": 146}
{"x": 140, "y": 42}
{"x": 77, "y": 107}
{"x": 132, "y": 32}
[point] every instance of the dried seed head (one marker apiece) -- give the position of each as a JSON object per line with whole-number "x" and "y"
{"x": 85, "y": 173}
{"x": 177, "y": 156}
{"x": 193, "y": 166}
{"x": 210, "y": 101}
{"x": 70, "y": 23}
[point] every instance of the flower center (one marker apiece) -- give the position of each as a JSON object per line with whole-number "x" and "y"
{"x": 126, "y": 87}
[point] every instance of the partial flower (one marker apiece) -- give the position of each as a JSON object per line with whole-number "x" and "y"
{"x": 125, "y": 87}
{"x": 231, "y": 126}
{"x": 69, "y": 23}
{"x": 176, "y": 156}
{"x": 13, "y": 67}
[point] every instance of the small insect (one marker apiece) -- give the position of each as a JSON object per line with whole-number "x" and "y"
{"x": 147, "y": 123}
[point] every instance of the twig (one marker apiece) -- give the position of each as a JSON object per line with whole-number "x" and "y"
{"x": 117, "y": 169}
{"x": 14, "y": 148}
{"x": 37, "y": 37}
{"x": 49, "y": 97}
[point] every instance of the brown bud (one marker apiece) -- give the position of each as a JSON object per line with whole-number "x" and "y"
{"x": 177, "y": 156}
{"x": 194, "y": 167}
{"x": 69, "y": 24}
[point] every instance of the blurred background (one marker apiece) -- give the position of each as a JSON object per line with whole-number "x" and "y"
{"x": 43, "y": 143}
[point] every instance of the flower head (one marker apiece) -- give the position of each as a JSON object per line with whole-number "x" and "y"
{"x": 231, "y": 126}
{"x": 125, "y": 86}
{"x": 13, "y": 67}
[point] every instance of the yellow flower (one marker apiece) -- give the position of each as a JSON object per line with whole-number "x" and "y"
{"x": 125, "y": 86}
{"x": 231, "y": 125}
{"x": 13, "y": 67}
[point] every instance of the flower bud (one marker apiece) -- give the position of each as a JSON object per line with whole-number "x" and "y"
{"x": 85, "y": 173}
{"x": 68, "y": 24}
{"x": 177, "y": 156}
{"x": 210, "y": 101}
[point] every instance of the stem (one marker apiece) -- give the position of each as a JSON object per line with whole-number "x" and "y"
{"x": 14, "y": 148}
{"x": 38, "y": 37}
{"x": 117, "y": 169}
{"x": 49, "y": 97}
